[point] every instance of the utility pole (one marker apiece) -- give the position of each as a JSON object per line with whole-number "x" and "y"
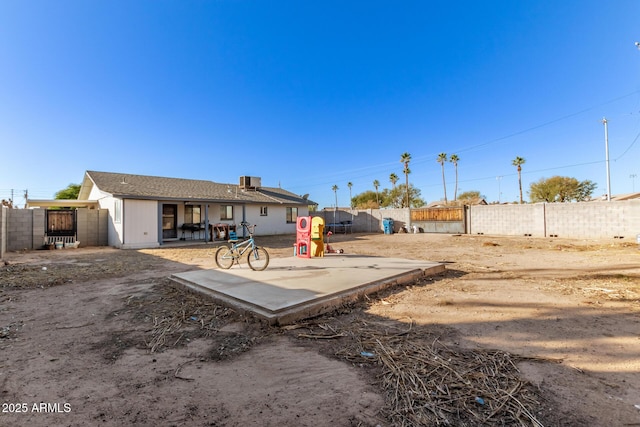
{"x": 606, "y": 147}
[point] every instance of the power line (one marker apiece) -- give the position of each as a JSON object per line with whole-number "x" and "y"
{"x": 385, "y": 167}
{"x": 524, "y": 172}
{"x": 628, "y": 148}
{"x": 545, "y": 123}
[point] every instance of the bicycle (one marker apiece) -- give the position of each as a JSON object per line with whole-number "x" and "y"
{"x": 257, "y": 257}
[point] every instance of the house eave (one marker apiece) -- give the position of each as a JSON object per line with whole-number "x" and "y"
{"x": 61, "y": 203}
{"x": 206, "y": 200}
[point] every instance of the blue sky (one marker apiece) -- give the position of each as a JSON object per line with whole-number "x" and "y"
{"x": 307, "y": 95}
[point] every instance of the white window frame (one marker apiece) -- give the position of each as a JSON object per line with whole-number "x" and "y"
{"x": 225, "y": 210}
{"x": 117, "y": 211}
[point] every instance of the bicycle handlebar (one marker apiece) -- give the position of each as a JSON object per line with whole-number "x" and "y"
{"x": 249, "y": 227}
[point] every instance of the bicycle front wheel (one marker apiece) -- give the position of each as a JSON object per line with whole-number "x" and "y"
{"x": 224, "y": 257}
{"x": 258, "y": 259}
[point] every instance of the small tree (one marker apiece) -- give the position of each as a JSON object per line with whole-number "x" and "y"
{"x": 561, "y": 189}
{"x": 366, "y": 200}
{"x": 397, "y": 197}
{"x": 69, "y": 193}
{"x": 470, "y": 197}
{"x": 585, "y": 190}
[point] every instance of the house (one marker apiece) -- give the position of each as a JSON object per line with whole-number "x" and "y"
{"x": 621, "y": 197}
{"x": 149, "y": 211}
{"x": 459, "y": 202}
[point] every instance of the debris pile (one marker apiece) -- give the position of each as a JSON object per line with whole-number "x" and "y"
{"x": 429, "y": 383}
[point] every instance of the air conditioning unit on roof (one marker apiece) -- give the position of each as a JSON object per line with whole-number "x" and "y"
{"x": 250, "y": 182}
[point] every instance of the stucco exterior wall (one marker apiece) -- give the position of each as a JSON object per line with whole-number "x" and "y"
{"x": 275, "y": 222}
{"x": 140, "y": 219}
{"x": 115, "y": 228}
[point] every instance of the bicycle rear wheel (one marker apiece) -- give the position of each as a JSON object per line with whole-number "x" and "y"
{"x": 258, "y": 259}
{"x": 224, "y": 257}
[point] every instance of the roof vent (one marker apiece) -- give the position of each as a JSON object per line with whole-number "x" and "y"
{"x": 250, "y": 183}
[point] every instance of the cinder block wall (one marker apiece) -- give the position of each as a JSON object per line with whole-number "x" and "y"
{"x": 3, "y": 230}
{"x": 92, "y": 227}
{"x": 516, "y": 220}
{"x": 39, "y": 224}
{"x": 20, "y": 230}
{"x": 367, "y": 220}
{"x": 572, "y": 220}
{"x": 593, "y": 219}
{"x": 25, "y": 229}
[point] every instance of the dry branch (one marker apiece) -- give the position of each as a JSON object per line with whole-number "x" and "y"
{"x": 432, "y": 384}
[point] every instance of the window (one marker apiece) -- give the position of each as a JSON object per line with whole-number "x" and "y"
{"x": 263, "y": 211}
{"x": 226, "y": 212}
{"x": 117, "y": 211}
{"x": 292, "y": 215}
{"x": 192, "y": 214}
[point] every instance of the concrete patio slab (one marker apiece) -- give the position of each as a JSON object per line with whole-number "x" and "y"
{"x": 294, "y": 288}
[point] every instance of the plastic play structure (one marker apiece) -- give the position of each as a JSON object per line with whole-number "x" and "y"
{"x": 309, "y": 237}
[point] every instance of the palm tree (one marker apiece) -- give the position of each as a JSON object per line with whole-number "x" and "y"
{"x": 376, "y": 184}
{"x": 393, "y": 178}
{"x": 518, "y": 162}
{"x": 335, "y": 210}
{"x": 350, "y": 184}
{"x": 442, "y": 157}
{"x": 454, "y": 159}
{"x": 405, "y": 159}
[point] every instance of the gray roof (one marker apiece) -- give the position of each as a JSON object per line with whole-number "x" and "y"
{"x": 128, "y": 186}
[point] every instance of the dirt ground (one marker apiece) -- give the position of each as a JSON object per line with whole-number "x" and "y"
{"x": 518, "y": 331}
